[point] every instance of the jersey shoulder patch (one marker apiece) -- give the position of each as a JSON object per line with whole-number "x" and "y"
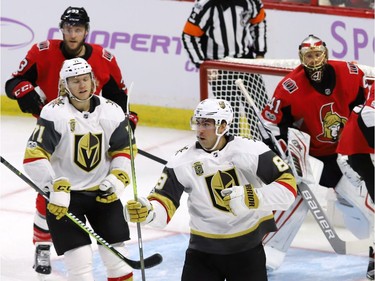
{"x": 111, "y": 110}
{"x": 44, "y": 45}
{"x": 290, "y": 85}
{"x": 107, "y": 55}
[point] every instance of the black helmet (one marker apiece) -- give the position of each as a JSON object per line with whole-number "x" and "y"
{"x": 74, "y": 16}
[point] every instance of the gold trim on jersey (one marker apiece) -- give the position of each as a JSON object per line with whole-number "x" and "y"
{"x": 125, "y": 150}
{"x": 232, "y": 235}
{"x": 288, "y": 179}
{"x": 35, "y": 152}
{"x": 167, "y": 203}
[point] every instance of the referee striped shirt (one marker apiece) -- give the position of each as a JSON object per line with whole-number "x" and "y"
{"x": 220, "y": 28}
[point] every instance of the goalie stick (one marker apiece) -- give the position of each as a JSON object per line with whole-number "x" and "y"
{"x": 339, "y": 246}
{"x": 149, "y": 262}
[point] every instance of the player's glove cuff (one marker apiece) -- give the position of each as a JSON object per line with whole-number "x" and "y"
{"x": 240, "y": 199}
{"x": 139, "y": 211}
{"x": 59, "y": 197}
{"x": 113, "y": 186}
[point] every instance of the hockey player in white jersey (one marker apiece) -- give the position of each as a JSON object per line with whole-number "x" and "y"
{"x": 233, "y": 185}
{"x": 79, "y": 154}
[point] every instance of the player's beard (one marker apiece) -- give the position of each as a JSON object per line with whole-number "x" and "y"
{"x": 74, "y": 52}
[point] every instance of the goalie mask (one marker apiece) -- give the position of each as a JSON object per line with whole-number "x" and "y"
{"x": 75, "y": 16}
{"x": 313, "y": 55}
{"x": 216, "y": 109}
{"x": 72, "y": 68}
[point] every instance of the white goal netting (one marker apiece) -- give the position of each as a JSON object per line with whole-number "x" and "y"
{"x": 260, "y": 76}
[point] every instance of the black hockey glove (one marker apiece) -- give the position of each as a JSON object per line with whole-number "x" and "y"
{"x": 31, "y": 103}
{"x": 28, "y": 99}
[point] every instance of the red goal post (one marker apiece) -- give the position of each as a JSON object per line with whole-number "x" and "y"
{"x": 260, "y": 76}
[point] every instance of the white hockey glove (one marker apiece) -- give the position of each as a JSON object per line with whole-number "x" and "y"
{"x": 240, "y": 199}
{"x": 112, "y": 186}
{"x": 347, "y": 170}
{"x": 59, "y": 197}
{"x": 139, "y": 211}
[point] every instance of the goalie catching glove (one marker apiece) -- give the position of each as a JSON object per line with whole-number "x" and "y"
{"x": 111, "y": 188}
{"x": 240, "y": 199}
{"x": 59, "y": 197}
{"x": 139, "y": 211}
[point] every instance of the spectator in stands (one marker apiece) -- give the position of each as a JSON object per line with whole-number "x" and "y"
{"x": 40, "y": 68}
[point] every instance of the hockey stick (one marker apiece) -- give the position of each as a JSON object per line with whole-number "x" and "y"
{"x": 338, "y": 245}
{"x": 134, "y": 182}
{"x": 148, "y": 262}
{"x": 152, "y": 157}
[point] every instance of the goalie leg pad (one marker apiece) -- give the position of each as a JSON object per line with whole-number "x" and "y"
{"x": 276, "y": 244}
{"x": 116, "y": 268}
{"x": 357, "y": 213}
{"x": 78, "y": 263}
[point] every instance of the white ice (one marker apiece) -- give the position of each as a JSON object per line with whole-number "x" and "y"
{"x": 310, "y": 258}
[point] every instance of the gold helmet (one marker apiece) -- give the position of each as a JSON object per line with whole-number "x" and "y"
{"x": 313, "y": 44}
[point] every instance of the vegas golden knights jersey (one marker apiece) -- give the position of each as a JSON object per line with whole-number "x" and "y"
{"x": 82, "y": 146}
{"x": 204, "y": 175}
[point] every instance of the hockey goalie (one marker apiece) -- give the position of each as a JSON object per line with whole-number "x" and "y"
{"x": 317, "y": 98}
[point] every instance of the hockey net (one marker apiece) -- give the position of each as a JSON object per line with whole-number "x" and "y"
{"x": 260, "y": 77}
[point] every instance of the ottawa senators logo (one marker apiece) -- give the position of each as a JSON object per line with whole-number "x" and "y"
{"x": 88, "y": 151}
{"x": 332, "y": 124}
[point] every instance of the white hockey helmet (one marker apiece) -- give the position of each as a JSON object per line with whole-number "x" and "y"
{"x": 216, "y": 109}
{"x": 310, "y": 44}
{"x": 72, "y": 68}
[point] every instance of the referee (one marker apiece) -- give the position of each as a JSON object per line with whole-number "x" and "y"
{"x": 217, "y": 29}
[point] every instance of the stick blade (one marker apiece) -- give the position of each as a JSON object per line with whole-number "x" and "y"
{"x": 149, "y": 262}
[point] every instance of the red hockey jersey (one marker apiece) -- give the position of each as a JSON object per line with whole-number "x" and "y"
{"x": 296, "y": 103}
{"x": 43, "y": 62}
{"x": 355, "y": 139}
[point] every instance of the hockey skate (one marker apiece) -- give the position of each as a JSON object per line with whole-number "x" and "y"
{"x": 370, "y": 268}
{"x": 42, "y": 259}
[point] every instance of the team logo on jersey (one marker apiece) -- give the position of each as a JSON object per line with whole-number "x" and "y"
{"x": 57, "y": 102}
{"x": 43, "y": 45}
{"x": 290, "y": 85}
{"x": 198, "y": 168}
{"x": 107, "y": 55}
{"x": 181, "y": 150}
{"x": 72, "y": 125}
{"x": 219, "y": 181}
{"x": 353, "y": 69}
{"x": 88, "y": 151}
{"x": 111, "y": 102}
{"x": 332, "y": 124}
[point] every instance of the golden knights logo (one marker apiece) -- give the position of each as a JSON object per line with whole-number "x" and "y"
{"x": 72, "y": 125}
{"x": 57, "y": 102}
{"x": 219, "y": 181}
{"x": 198, "y": 168}
{"x": 87, "y": 151}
